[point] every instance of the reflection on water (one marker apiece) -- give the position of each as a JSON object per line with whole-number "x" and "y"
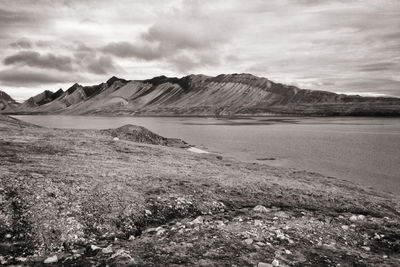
{"x": 363, "y": 150}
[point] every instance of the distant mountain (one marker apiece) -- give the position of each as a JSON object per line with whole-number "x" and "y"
{"x": 193, "y": 95}
{"x": 7, "y": 103}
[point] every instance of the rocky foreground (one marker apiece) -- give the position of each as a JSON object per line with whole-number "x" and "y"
{"x": 87, "y": 198}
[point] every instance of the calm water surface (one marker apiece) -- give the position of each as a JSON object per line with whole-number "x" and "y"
{"x": 362, "y": 150}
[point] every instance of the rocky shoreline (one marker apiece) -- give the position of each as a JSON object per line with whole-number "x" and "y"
{"x": 93, "y": 198}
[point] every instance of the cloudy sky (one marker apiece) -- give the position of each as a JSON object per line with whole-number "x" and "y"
{"x": 345, "y": 46}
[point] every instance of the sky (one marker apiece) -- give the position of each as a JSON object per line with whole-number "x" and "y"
{"x": 343, "y": 46}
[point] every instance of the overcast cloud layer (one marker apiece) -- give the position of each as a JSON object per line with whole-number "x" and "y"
{"x": 343, "y": 46}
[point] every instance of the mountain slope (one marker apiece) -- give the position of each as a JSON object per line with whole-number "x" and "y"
{"x": 223, "y": 95}
{"x": 7, "y": 103}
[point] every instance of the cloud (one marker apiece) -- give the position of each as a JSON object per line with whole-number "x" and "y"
{"x": 381, "y": 66}
{"x": 23, "y": 77}
{"x": 101, "y": 65}
{"x": 35, "y": 59}
{"x": 22, "y": 44}
{"x": 127, "y": 50}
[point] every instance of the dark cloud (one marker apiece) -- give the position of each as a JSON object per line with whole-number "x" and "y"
{"x": 101, "y": 65}
{"x": 382, "y": 66}
{"x": 126, "y": 50}
{"x": 35, "y": 59}
{"x": 11, "y": 17}
{"x": 22, "y": 44}
{"x": 24, "y": 77}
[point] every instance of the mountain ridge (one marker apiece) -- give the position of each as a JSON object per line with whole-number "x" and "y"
{"x": 202, "y": 95}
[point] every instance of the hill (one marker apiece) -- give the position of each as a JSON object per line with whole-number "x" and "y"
{"x": 7, "y": 103}
{"x": 200, "y": 95}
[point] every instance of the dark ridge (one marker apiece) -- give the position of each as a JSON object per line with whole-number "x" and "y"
{"x": 113, "y": 79}
{"x": 73, "y": 88}
{"x": 57, "y": 94}
{"x": 183, "y": 82}
{"x": 92, "y": 90}
{"x": 46, "y": 98}
{"x": 6, "y": 97}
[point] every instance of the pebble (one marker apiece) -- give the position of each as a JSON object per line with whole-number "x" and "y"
{"x": 288, "y": 252}
{"x": 198, "y": 220}
{"x": 8, "y": 236}
{"x": 132, "y": 237}
{"x": 275, "y": 262}
{"x": 51, "y": 259}
{"x": 263, "y": 264}
{"x": 345, "y": 227}
{"x": 248, "y": 241}
{"x": 94, "y": 247}
{"x": 107, "y": 250}
{"x": 115, "y": 139}
{"x": 366, "y": 248}
{"x": 257, "y": 222}
{"x": 261, "y": 209}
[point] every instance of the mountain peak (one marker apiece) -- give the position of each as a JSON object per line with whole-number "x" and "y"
{"x": 113, "y": 79}
{"x": 73, "y": 88}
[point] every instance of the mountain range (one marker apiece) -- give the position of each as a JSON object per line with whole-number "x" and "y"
{"x": 199, "y": 95}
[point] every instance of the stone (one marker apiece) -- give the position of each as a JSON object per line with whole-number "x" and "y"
{"x": 107, "y": 250}
{"x": 115, "y": 139}
{"x": 353, "y": 218}
{"x": 147, "y": 212}
{"x": 263, "y": 264}
{"x": 257, "y": 222}
{"x": 198, "y": 220}
{"x": 94, "y": 247}
{"x": 132, "y": 237}
{"x": 248, "y": 241}
{"x": 288, "y": 252}
{"x": 360, "y": 217}
{"x": 275, "y": 262}
{"x": 8, "y": 236}
{"x": 366, "y": 248}
{"x": 261, "y": 209}
{"x": 345, "y": 227}
{"x": 52, "y": 259}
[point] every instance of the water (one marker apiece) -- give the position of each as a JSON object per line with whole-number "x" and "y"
{"x": 362, "y": 150}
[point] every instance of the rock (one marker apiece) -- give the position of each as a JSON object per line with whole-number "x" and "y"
{"x": 94, "y": 247}
{"x": 257, "y": 222}
{"x": 8, "y": 236}
{"x": 263, "y": 264}
{"x": 261, "y": 244}
{"x": 275, "y": 262}
{"x": 281, "y": 214}
{"x": 147, "y": 212}
{"x": 107, "y": 250}
{"x": 248, "y": 241}
{"x": 132, "y": 237}
{"x": 366, "y": 248}
{"x": 384, "y": 256}
{"x": 121, "y": 254}
{"x": 115, "y": 139}
{"x": 198, "y": 220}
{"x": 345, "y": 227}
{"x": 360, "y": 217}
{"x": 353, "y": 218}
{"x": 51, "y": 259}
{"x": 21, "y": 259}
{"x": 261, "y": 209}
{"x": 288, "y": 251}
